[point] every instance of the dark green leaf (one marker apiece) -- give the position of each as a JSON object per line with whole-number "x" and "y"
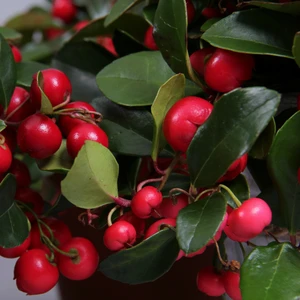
{"x": 14, "y": 226}
{"x": 231, "y": 130}
{"x": 296, "y": 48}
{"x": 283, "y": 163}
{"x": 271, "y": 272}
{"x": 205, "y": 26}
{"x": 145, "y": 262}
{"x": 98, "y": 9}
{"x": 46, "y": 106}
{"x": 149, "y": 13}
{"x": 60, "y": 205}
{"x": 266, "y": 35}
{"x": 10, "y": 34}
{"x": 135, "y": 79}
{"x": 198, "y": 222}
{"x": 2, "y": 125}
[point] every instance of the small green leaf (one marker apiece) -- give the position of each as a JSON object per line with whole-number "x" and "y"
{"x": 46, "y": 106}
{"x": 271, "y": 272}
{"x": 149, "y": 13}
{"x": 92, "y": 180}
{"x": 10, "y": 34}
{"x": 168, "y": 94}
{"x": 296, "y": 48}
{"x": 145, "y": 262}
{"x": 198, "y": 222}
{"x": 14, "y": 226}
{"x": 236, "y": 121}
{"x": 2, "y": 125}
{"x": 210, "y": 22}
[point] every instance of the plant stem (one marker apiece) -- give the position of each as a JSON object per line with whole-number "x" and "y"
{"x": 272, "y": 235}
{"x": 232, "y": 195}
{"x": 52, "y": 246}
{"x": 204, "y": 192}
{"x": 109, "y": 216}
{"x": 243, "y": 249}
{"x": 141, "y": 184}
{"x": 180, "y": 191}
{"x": 219, "y": 254}
{"x": 293, "y": 240}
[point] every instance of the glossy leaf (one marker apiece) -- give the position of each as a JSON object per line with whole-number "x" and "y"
{"x": 10, "y": 34}
{"x": 144, "y": 262}
{"x": 61, "y": 205}
{"x": 198, "y": 222}
{"x": 296, "y": 48}
{"x": 266, "y": 35}
{"x": 46, "y": 106}
{"x": 283, "y": 164}
{"x": 149, "y": 13}
{"x": 168, "y": 94}
{"x": 271, "y": 272}
{"x": 236, "y": 122}
{"x": 92, "y": 180}
{"x": 98, "y": 9}
{"x": 139, "y": 77}
{"x": 14, "y": 226}
{"x": 2, "y": 125}
{"x": 210, "y": 22}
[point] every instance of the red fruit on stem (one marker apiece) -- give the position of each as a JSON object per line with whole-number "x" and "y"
{"x": 5, "y": 155}
{"x": 34, "y": 273}
{"x": 138, "y": 224}
{"x": 64, "y": 10}
{"x": 85, "y": 132}
{"x": 211, "y": 12}
{"x": 84, "y": 264}
{"x": 226, "y": 70}
{"x": 67, "y": 123}
{"x": 183, "y": 120}
{"x": 190, "y": 10}
{"x": 52, "y": 33}
{"x": 199, "y": 58}
{"x": 15, "y": 251}
{"x": 210, "y": 282}
{"x": 158, "y": 225}
{"x": 145, "y": 201}
{"x": 80, "y": 25}
{"x": 231, "y": 281}
{"x": 149, "y": 41}
{"x": 56, "y": 86}
{"x": 21, "y": 173}
{"x": 248, "y": 220}
{"x": 16, "y": 53}
{"x": 107, "y": 43}
{"x": 39, "y": 136}
{"x": 119, "y": 235}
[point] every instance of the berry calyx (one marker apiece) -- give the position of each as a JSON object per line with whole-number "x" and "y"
{"x": 199, "y": 58}
{"x": 16, "y": 53}
{"x": 119, "y": 235}
{"x": 183, "y": 119}
{"x": 149, "y": 41}
{"x": 21, "y": 173}
{"x": 39, "y": 136}
{"x": 85, "y": 260}
{"x": 138, "y": 224}
{"x": 15, "y": 251}
{"x": 158, "y": 225}
{"x": 5, "y": 155}
{"x": 231, "y": 281}
{"x": 64, "y": 10}
{"x": 145, "y": 201}
{"x": 34, "y": 274}
{"x": 85, "y": 132}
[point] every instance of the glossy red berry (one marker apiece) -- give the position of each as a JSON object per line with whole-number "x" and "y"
{"x": 84, "y": 264}
{"x": 210, "y": 282}
{"x": 138, "y": 224}
{"x": 119, "y": 235}
{"x": 226, "y": 70}
{"x": 21, "y": 173}
{"x": 85, "y": 132}
{"x": 190, "y": 10}
{"x": 158, "y": 225}
{"x": 39, "y": 136}
{"x": 199, "y": 58}
{"x": 231, "y": 282}
{"x": 34, "y": 273}
{"x": 80, "y": 25}
{"x": 149, "y": 41}
{"x": 5, "y": 155}
{"x": 15, "y": 251}
{"x": 16, "y": 53}
{"x": 56, "y": 86}
{"x": 52, "y": 33}
{"x": 64, "y": 10}
{"x": 10, "y": 136}
{"x": 249, "y": 220}
{"x": 145, "y": 201}
{"x": 211, "y": 12}
{"x": 67, "y": 123}
{"x": 183, "y": 120}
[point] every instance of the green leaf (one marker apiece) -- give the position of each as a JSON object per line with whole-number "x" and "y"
{"x": 25, "y": 71}
{"x": 2, "y": 125}
{"x": 231, "y": 130}
{"x": 134, "y": 80}
{"x": 145, "y": 262}
{"x": 264, "y": 142}
{"x": 7, "y": 73}
{"x": 198, "y": 222}
{"x": 14, "y": 226}
{"x": 10, "y": 34}
{"x": 271, "y": 272}
{"x": 283, "y": 163}
{"x": 296, "y": 48}
{"x": 149, "y": 13}
{"x": 92, "y": 180}
{"x": 119, "y": 8}
{"x": 98, "y": 9}
{"x": 266, "y": 35}
{"x": 210, "y": 22}
{"x": 46, "y": 106}
{"x": 168, "y": 94}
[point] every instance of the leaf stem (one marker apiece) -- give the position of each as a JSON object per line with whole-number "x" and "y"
{"x": 121, "y": 201}
{"x": 109, "y": 216}
{"x": 242, "y": 249}
{"x": 232, "y": 195}
{"x": 172, "y": 191}
{"x": 293, "y": 240}
{"x": 224, "y": 263}
{"x": 141, "y": 184}
{"x": 204, "y": 192}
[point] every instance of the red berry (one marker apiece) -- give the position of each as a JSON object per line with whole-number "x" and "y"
{"x": 226, "y": 70}
{"x": 64, "y": 10}
{"x": 158, "y": 225}
{"x": 82, "y": 133}
{"x": 210, "y": 282}
{"x": 199, "y": 58}
{"x": 39, "y": 136}
{"x": 16, "y": 53}
{"x": 107, "y": 43}
{"x": 15, "y": 251}
{"x": 80, "y": 25}
{"x": 52, "y": 33}
{"x": 183, "y": 120}
{"x": 10, "y": 135}
{"x": 145, "y": 201}
{"x": 211, "y": 12}
{"x": 67, "y": 123}
{"x": 34, "y": 273}
{"x": 84, "y": 265}
{"x": 249, "y": 220}
{"x": 5, "y": 155}
{"x": 149, "y": 41}
{"x": 190, "y": 10}
{"x": 119, "y": 235}
{"x": 231, "y": 282}
{"x": 21, "y": 173}
{"x": 56, "y": 86}
{"x": 138, "y": 224}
